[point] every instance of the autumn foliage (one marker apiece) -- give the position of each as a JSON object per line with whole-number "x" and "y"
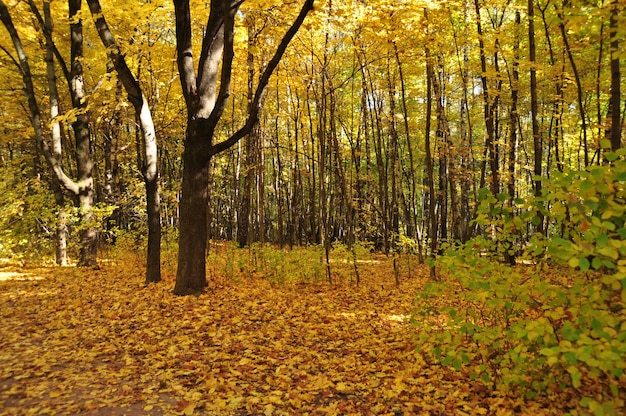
{"x": 427, "y": 199}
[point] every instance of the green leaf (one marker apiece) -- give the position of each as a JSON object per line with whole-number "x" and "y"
{"x": 586, "y": 185}
{"x": 605, "y": 144}
{"x": 575, "y": 375}
{"x": 571, "y": 357}
{"x": 549, "y": 351}
{"x": 570, "y": 332}
{"x": 602, "y": 240}
{"x": 573, "y": 262}
{"x": 583, "y": 263}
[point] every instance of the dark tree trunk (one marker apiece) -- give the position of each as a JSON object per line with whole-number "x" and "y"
{"x": 509, "y": 254}
{"x": 534, "y": 109}
{"x": 489, "y": 111}
{"x": 411, "y": 210}
{"x": 191, "y": 277}
{"x": 243, "y": 226}
{"x": 579, "y": 87}
{"x": 615, "y": 100}
{"x": 153, "y": 209}
{"x": 430, "y": 171}
{"x": 557, "y": 108}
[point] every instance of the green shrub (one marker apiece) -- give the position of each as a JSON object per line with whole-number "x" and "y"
{"x": 559, "y": 324}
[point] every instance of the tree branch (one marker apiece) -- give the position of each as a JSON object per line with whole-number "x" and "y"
{"x": 184, "y": 53}
{"x": 253, "y": 111}
{"x": 117, "y": 59}
{"x": 227, "y": 66}
{"x": 48, "y": 35}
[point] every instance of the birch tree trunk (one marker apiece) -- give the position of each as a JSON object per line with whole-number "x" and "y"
{"x": 149, "y": 169}
{"x": 61, "y": 229}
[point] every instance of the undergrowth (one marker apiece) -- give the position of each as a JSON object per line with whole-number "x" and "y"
{"x": 557, "y": 323}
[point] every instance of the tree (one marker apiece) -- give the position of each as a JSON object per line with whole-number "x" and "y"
{"x": 430, "y": 170}
{"x": 205, "y": 106}
{"x": 150, "y": 173}
{"x": 62, "y": 229}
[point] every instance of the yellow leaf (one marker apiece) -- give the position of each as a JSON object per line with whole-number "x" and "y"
{"x": 269, "y": 410}
{"x": 189, "y": 409}
{"x": 343, "y": 387}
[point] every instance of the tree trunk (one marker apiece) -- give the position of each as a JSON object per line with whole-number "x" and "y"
{"x": 488, "y": 109}
{"x": 62, "y": 231}
{"x": 259, "y": 168}
{"x": 537, "y": 141}
{"x": 191, "y": 274}
{"x": 149, "y": 168}
{"x": 570, "y": 56}
{"x": 465, "y": 173}
{"x": 82, "y": 136}
{"x": 243, "y": 226}
{"x": 442, "y": 144}
{"x": 509, "y": 253}
{"x": 430, "y": 171}
{"x": 393, "y": 152}
{"x": 599, "y": 93}
{"x": 557, "y": 108}
{"x": 314, "y": 236}
{"x": 615, "y": 100}
{"x": 411, "y": 214}
{"x": 243, "y": 218}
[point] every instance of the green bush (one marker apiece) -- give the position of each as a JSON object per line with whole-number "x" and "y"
{"x": 559, "y": 324}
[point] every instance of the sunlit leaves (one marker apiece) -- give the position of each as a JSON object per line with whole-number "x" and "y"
{"x": 243, "y": 347}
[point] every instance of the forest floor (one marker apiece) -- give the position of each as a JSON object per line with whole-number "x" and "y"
{"x": 99, "y": 342}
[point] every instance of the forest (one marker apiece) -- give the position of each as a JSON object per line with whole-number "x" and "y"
{"x": 312, "y": 207}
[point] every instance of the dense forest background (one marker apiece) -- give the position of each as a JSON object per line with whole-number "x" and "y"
{"x": 381, "y": 124}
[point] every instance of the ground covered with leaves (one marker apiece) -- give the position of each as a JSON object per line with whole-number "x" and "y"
{"x": 99, "y": 342}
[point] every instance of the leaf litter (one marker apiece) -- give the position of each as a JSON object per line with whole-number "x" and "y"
{"x": 99, "y": 342}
